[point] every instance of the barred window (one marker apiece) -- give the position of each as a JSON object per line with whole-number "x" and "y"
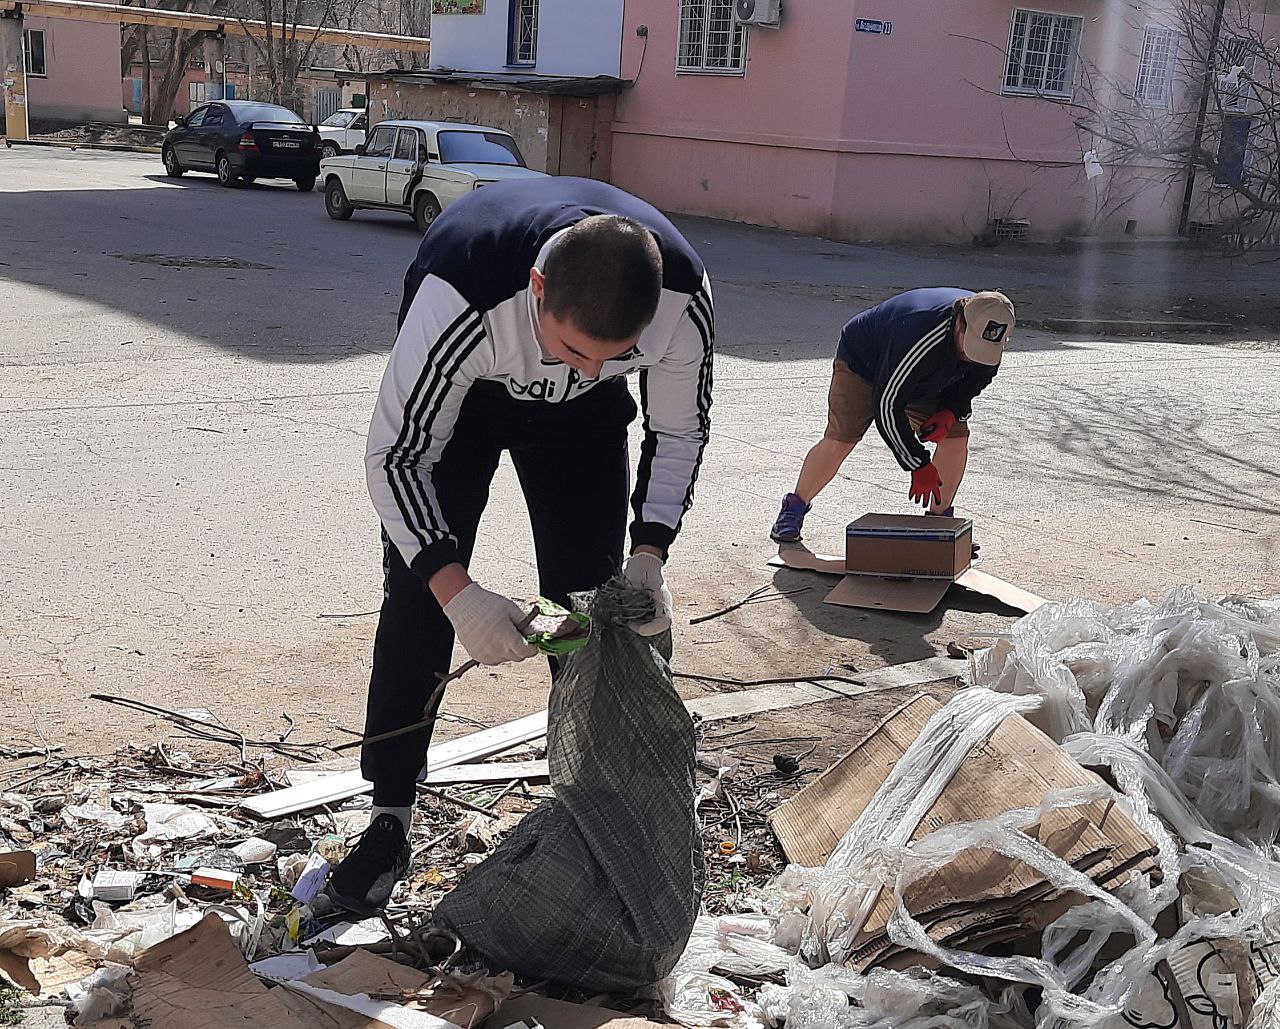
{"x": 524, "y": 32}
{"x": 1155, "y": 68}
{"x": 710, "y": 39}
{"x": 1042, "y": 53}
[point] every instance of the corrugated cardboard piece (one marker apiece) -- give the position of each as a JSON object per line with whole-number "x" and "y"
{"x": 980, "y": 897}
{"x": 199, "y": 980}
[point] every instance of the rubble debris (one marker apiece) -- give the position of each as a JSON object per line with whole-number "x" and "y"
{"x": 534, "y": 1012}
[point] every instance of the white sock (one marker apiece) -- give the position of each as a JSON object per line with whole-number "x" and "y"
{"x": 405, "y": 814}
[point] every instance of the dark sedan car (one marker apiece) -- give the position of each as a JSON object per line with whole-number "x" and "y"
{"x": 243, "y": 140}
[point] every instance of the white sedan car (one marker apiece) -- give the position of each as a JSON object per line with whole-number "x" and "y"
{"x": 343, "y": 131}
{"x": 419, "y": 168}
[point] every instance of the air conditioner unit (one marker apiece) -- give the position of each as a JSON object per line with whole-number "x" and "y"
{"x": 758, "y": 12}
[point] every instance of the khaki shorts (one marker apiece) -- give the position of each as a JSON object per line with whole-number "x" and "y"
{"x": 851, "y": 407}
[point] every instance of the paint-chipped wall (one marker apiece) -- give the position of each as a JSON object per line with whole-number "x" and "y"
{"x": 559, "y": 135}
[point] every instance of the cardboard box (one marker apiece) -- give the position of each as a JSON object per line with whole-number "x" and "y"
{"x": 914, "y": 546}
{"x": 115, "y": 884}
{"x": 904, "y": 563}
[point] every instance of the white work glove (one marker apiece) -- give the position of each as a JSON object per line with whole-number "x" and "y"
{"x": 645, "y": 572}
{"x": 487, "y": 625}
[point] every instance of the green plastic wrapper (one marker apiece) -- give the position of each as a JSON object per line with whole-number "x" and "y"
{"x": 557, "y": 631}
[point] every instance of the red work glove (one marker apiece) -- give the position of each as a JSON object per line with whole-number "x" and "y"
{"x": 936, "y": 426}
{"x": 926, "y": 485}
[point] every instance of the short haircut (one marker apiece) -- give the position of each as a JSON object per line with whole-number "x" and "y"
{"x": 605, "y": 276}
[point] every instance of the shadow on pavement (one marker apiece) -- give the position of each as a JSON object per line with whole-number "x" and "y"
{"x": 261, "y": 270}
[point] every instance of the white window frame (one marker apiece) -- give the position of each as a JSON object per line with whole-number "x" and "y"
{"x": 44, "y": 52}
{"x": 524, "y": 34}
{"x": 732, "y": 51}
{"x": 1149, "y": 90}
{"x": 1015, "y": 60}
{"x": 197, "y": 93}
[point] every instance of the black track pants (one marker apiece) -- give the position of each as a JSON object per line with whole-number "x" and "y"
{"x": 573, "y": 466}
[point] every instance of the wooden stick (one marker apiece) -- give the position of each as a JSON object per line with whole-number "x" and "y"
{"x": 754, "y": 597}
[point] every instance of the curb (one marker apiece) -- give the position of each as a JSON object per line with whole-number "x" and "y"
{"x": 1126, "y": 327}
{"x": 65, "y": 145}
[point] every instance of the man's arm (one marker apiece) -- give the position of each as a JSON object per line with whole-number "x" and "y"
{"x": 675, "y": 395}
{"x": 958, "y": 399}
{"x": 440, "y": 350}
{"x": 892, "y": 399}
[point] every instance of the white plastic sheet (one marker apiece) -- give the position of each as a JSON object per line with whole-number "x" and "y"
{"x": 1196, "y": 685}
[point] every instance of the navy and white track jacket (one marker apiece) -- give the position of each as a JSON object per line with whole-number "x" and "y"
{"x": 468, "y": 315}
{"x": 905, "y": 347}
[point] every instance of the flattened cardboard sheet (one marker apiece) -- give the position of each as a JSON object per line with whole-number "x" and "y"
{"x": 800, "y": 557}
{"x": 979, "y": 892}
{"x": 199, "y": 980}
{"x": 919, "y": 596}
{"x": 1006, "y": 592}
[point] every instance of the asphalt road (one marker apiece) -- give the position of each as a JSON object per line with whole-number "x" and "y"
{"x": 187, "y": 372}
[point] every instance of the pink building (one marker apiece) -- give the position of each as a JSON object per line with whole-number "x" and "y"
{"x": 73, "y": 70}
{"x": 883, "y": 119}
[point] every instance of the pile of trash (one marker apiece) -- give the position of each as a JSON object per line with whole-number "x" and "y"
{"x": 1085, "y": 837}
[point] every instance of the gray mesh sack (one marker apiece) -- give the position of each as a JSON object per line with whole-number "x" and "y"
{"x": 599, "y": 888}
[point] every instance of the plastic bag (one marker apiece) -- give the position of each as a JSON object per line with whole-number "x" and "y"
{"x": 600, "y": 887}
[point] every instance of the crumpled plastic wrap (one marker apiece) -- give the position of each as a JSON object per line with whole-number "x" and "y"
{"x": 1194, "y": 684}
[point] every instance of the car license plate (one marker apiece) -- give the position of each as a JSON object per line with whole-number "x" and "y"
{"x": 288, "y": 144}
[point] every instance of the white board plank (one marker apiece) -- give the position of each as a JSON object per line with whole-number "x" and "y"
{"x": 489, "y": 771}
{"x": 343, "y": 785}
{"x": 487, "y": 742}
{"x": 798, "y": 694}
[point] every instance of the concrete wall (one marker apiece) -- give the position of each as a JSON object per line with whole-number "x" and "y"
{"x": 83, "y": 83}
{"x": 575, "y": 37}
{"x": 859, "y": 135}
{"x": 558, "y": 135}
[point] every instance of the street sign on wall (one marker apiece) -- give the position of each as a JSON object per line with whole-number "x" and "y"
{"x": 882, "y": 28}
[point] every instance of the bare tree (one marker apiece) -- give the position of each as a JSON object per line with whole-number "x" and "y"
{"x": 280, "y": 50}
{"x": 1197, "y": 112}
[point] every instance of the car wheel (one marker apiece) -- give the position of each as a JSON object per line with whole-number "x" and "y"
{"x": 171, "y": 166}
{"x": 335, "y": 201}
{"x": 426, "y": 209}
{"x": 226, "y": 174}
{"x": 306, "y": 185}
{"x": 329, "y": 150}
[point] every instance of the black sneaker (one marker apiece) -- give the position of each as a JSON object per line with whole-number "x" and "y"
{"x": 362, "y": 884}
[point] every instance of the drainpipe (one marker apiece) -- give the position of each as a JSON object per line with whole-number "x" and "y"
{"x": 1206, "y": 87}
